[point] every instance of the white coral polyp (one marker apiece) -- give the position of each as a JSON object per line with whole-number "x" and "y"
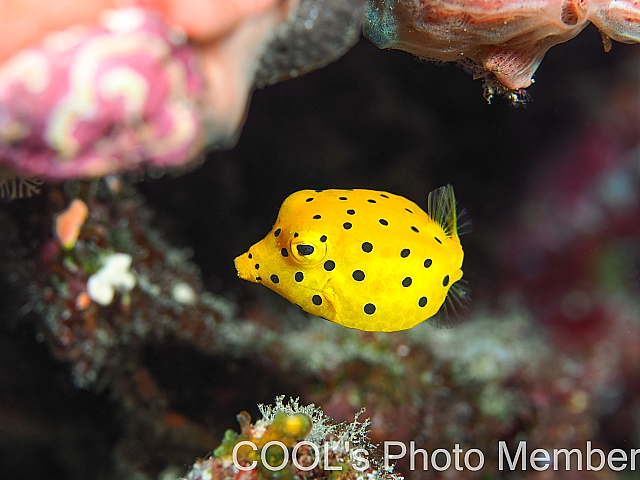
{"x": 114, "y": 275}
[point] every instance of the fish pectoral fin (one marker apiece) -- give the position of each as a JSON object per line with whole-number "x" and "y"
{"x": 331, "y": 296}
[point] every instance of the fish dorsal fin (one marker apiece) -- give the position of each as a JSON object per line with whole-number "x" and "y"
{"x": 441, "y": 207}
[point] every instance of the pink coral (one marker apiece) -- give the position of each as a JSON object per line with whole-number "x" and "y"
{"x": 506, "y": 38}
{"x": 90, "y": 100}
{"x": 122, "y": 89}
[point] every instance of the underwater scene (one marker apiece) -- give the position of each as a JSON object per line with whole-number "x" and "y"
{"x": 442, "y": 198}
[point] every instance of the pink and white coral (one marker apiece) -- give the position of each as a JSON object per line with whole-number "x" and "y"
{"x": 506, "y": 38}
{"x": 95, "y": 99}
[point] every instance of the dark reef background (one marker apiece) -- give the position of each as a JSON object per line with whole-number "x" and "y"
{"x": 374, "y": 119}
{"x": 385, "y": 120}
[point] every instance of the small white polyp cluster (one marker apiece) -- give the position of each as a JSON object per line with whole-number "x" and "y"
{"x": 114, "y": 275}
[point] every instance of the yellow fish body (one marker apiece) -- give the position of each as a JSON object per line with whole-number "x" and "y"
{"x": 364, "y": 259}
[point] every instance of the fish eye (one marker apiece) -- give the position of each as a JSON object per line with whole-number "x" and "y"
{"x": 305, "y": 249}
{"x": 308, "y": 248}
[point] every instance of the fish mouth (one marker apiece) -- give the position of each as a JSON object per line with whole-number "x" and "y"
{"x": 243, "y": 266}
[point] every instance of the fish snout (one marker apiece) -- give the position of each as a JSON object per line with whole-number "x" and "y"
{"x": 243, "y": 266}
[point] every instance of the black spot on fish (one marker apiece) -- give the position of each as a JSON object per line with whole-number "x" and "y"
{"x": 277, "y": 232}
{"x": 323, "y": 238}
{"x": 257, "y": 266}
{"x": 305, "y": 250}
{"x": 405, "y": 253}
{"x": 309, "y": 199}
{"x": 406, "y": 282}
{"x": 342, "y": 198}
{"x": 371, "y": 201}
{"x": 318, "y": 191}
{"x": 422, "y": 302}
{"x": 408, "y": 210}
{"x": 383, "y": 222}
{"x": 250, "y": 256}
{"x": 367, "y": 247}
{"x": 299, "y": 276}
{"x": 351, "y": 212}
{"x": 383, "y": 195}
{"x": 329, "y": 265}
{"x": 358, "y": 275}
{"x": 369, "y": 309}
{"x": 295, "y": 235}
{"x": 347, "y": 225}
{"x": 284, "y": 252}
{"x": 438, "y": 240}
{"x": 445, "y": 281}
{"x": 275, "y": 279}
{"x": 258, "y": 279}
{"x": 317, "y": 217}
{"x": 317, "y": 300}
{"x": 427, "y": 263}
{"x": 415, "y": 229}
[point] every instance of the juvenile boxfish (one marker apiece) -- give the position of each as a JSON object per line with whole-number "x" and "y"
{"x": 364, "y": 259}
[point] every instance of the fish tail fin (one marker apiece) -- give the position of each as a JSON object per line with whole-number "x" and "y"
{"x": 455, "y": 305}
{"x": 441, "y": 207}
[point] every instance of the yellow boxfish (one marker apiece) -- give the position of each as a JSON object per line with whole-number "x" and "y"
{"x": 364, "y": 259}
